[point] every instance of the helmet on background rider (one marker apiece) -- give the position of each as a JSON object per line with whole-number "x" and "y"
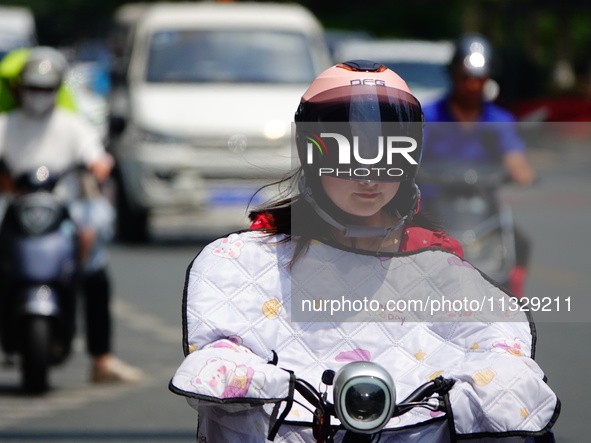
{"x": 40, "y": 79}
{"x": 472, "y": 54}
{"x": 358, "y": 120}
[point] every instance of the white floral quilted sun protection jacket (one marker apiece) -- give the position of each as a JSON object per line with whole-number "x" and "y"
{"x": 251, "y": 321}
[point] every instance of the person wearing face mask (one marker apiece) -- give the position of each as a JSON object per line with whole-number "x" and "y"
{"x": 38, "y": 133}
{"x": 11, "y": 66}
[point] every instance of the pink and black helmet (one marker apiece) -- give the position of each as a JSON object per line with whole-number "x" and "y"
{"x": 359, "y": 121}
{"x": 366, "y": 100}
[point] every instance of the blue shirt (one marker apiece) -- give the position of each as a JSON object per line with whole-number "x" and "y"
{"x": 489, "y": 139}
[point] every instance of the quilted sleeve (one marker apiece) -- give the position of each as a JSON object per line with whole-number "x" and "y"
{"x": 228, "y": 293}
{"x": 501, "y": 390}
{"x": 231, "y": 376}
{"x": 232, "y": 287}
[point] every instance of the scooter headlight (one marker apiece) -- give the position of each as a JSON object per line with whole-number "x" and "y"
{"x": 364, "y": 397}
{"x": 38, "y": 213}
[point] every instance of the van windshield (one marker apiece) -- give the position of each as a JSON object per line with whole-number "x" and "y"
{"x": 229, "y": 56}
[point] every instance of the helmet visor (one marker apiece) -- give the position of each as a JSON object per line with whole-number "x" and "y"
{"x": 360, "y": 132}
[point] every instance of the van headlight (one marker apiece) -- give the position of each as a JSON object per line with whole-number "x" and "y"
{"x": 275, "y": 129}
{"x": 364, "y": 397}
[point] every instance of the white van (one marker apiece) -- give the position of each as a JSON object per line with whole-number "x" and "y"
{"x": 17, "y": 28}
{"x": 204, "y": 118}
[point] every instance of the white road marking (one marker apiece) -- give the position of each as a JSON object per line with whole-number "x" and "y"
{"x": 71, "y": 394}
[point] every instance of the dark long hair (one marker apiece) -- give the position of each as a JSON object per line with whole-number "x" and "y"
{"x": 279, "y": 213}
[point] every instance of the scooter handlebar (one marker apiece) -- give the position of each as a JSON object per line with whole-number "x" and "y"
{"x": 418, "y": 398}
{"x": 438, "y": 385}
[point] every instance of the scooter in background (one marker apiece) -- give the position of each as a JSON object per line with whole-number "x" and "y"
{"x": 463, "y": 199}
{"x": 39, "y": 267}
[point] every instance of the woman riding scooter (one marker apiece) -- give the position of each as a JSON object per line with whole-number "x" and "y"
{"x": 266, "y": 305}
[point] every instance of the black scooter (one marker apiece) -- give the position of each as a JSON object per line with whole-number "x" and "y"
{"x": 463, "y": 198}
{"x": 39, "y": 268}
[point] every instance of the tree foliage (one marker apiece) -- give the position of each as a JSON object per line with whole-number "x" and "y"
{"x": 532, "y": 37}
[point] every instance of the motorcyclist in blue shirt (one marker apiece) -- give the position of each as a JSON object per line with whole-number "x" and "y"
{"x": 481, "y": 132}
{"x": 466, "y": 103}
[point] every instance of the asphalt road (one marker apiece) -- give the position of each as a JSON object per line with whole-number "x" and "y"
{"x": 148, "y": 289}
{"x": 148, "y": 284}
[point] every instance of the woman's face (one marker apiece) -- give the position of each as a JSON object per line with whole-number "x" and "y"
{"x": 358, "y": 198}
